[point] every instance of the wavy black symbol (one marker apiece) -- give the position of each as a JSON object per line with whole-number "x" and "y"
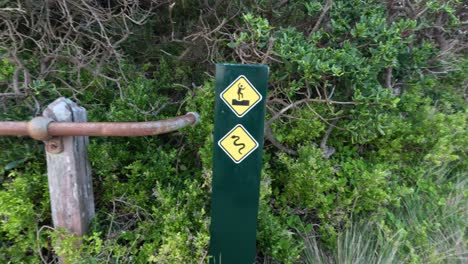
{"x": 236, "y": 138}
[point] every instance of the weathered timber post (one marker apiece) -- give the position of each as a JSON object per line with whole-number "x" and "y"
{"x": 69, "y": 171}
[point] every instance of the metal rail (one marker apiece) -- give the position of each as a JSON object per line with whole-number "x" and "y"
{"x": 42, "y": 128}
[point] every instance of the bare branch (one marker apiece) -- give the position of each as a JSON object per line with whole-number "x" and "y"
{"x": 325, "y": 9}
{"x": 75, "y": 34}
{"x": 12, "y": 95}
{"x": 327, "y": 150}
{"x": 388, "y": 77}
{"x": 269, "y": 135}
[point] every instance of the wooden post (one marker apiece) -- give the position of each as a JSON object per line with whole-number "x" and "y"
{"x": 69, "y": 171}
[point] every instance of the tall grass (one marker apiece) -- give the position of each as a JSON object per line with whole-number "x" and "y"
{"x": 426, "y": 231}
{"x": 437, "y": 229}
{"x": 359, "y": 243}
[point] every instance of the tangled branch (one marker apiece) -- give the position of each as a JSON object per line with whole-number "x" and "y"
{"x": 67, "y": 37}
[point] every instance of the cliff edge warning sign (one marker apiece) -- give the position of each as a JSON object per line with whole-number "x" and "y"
{"x": 241, "y": 96}
{"x": 238, "y": 144}
{"x": 239, "y": 119}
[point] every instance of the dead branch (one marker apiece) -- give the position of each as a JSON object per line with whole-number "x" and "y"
{"x": 388, "y": 77}
{"x": 269, "y": 134}
{"x": 12, "y": 95}
{"x": 75, "y": 34}
{"x": 327, "y": 150}
{"x": 325, "y": 9}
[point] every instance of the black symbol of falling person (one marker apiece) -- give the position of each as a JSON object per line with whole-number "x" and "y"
{"x": 240, "y": 95}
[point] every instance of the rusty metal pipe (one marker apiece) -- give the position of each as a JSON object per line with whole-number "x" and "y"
{"x": 14, "y": 128}
{"x": 117, "y": 129}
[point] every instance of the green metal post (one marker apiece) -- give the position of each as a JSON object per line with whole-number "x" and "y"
{"x": 237, "y": 162}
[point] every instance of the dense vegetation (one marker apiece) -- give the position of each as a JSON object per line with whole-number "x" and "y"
{"x": 365, "y": 147}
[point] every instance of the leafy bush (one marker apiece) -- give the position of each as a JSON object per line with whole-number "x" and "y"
{"x": 366, "y": 120}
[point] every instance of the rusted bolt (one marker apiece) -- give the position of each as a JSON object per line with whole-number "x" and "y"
{"x": 38, "y": 128}
{"x": 54, "y": 145}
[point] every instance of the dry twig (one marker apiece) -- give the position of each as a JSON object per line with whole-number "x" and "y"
{"x": 67, "y": 36}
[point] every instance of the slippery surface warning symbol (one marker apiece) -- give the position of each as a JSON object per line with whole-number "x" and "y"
{"x": 238, "y": 144}
{"x": 241, "y": 96}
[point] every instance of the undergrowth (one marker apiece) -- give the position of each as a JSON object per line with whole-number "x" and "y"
{"x": 365, "y": 139}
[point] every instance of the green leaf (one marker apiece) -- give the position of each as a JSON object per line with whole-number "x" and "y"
{"x": 15, "y": 164}
{"x": 232, "y": 44}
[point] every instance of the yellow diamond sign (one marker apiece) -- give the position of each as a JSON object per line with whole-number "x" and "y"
{"x": 241, "y": 96}
{"x": 238, "y": 144}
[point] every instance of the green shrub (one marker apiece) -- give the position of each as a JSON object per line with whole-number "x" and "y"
{"x": 366, "y": 115}
{"x": 24, "y": 206}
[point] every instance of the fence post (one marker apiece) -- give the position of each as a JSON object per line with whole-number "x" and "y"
{"x": 69, "y": 171}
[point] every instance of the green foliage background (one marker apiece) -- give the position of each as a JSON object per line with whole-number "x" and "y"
{"x": 367, "y": 122}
